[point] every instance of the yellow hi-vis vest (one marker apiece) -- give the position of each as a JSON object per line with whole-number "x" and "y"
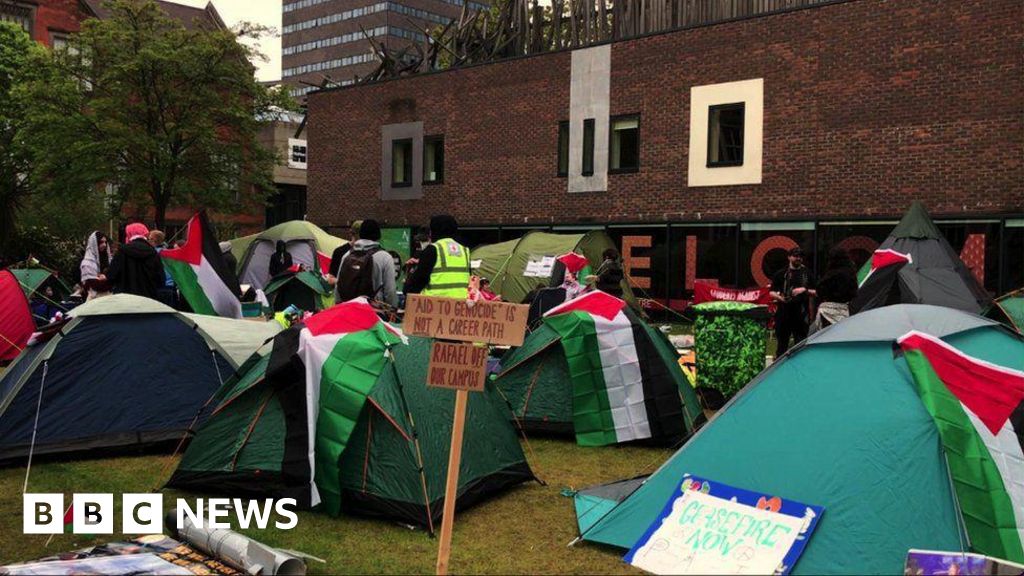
{"x": 450, "y": 277}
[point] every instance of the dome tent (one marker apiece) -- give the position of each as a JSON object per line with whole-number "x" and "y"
{"x": 838, "y": 422}
{"x": 305, "y": 241}
{"x": 595, "y": 369}
{"x": 513, "y": 265}
{"x": 304, "y": 289}
{"x": 16, "y": 323}
{"x": 123, "y": 370}
{"x": 373, "y": 442}
{"x": 1010, "y": 306}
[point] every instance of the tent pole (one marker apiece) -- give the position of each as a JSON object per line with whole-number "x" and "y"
{"x": 35, "y": 427}
{"x": 415, "y": 440}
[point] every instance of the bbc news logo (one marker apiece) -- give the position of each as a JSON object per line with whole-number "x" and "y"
{"x": 144, "y": 514}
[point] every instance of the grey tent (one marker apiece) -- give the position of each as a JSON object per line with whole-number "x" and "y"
{"x": 935, "y": 274}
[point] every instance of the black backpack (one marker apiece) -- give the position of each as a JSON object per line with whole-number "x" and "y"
{"x": 355, "y": 278}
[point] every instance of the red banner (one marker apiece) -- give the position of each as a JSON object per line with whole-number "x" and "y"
{"x": 708, "y": 292}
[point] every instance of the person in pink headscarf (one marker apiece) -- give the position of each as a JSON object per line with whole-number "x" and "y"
{"x": 136, "y": 268}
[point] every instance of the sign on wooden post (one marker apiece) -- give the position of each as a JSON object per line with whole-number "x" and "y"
{"x": 461, "y": 366}
{"x": 451, "y": 319}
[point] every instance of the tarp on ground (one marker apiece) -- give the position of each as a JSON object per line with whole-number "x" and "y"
{"x": 516, "y": 267}
{"x": 600, "y": 373}
{"x": 934, "y": 275}
{"x": 305, "y": 241}
{"x": 353, "y": 446}
{"x": 16, "y": 324}
{"x": 122, "y": 371}
{"x": 838, "y": 423}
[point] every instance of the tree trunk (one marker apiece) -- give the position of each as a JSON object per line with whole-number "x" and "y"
{"x": 159, "y": 213}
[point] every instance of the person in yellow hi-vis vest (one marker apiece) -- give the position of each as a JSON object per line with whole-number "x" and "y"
{"x": 443, "y": 268}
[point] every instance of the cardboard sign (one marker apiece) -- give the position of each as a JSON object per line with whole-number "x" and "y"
{"x": 711, "y": 528}
{"x": 457, "y": 366}
{"x": 539, "y": 267}
{"x": 454, "y": 319}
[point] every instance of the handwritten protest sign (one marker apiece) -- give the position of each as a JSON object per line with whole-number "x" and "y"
{"x": 724, "y": 530}
{"x": 454, "y": 319}
{"x": 457, "y": 366}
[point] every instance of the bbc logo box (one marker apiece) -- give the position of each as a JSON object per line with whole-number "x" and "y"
{"x": 92, "y": 514}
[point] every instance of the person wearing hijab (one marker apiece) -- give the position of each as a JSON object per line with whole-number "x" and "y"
{"x": 281, "y": 261}
{"x": 137, "y": 268}
{"x": 94, "y": 266}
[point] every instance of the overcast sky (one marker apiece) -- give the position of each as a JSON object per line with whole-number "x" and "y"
{"x": 266, "y": 12}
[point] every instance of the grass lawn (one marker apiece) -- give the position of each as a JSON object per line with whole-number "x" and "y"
{"x": 524, "y": 530}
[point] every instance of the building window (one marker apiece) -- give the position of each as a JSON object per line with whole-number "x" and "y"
{"x": 296, "y": 153}
{"x": 624, "y": 148}
{"x": 588, "y": 147}
{"x": 725, "y": 135}
{"x": 19, "y": 14}
{"x": 401, "y": 162}
{"x": 58, "y": 41}
{"x": 433, "y": 159}
{"x": 563, "y": 148}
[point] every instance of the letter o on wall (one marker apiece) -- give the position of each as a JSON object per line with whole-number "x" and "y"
{"x": 762, "y": 250}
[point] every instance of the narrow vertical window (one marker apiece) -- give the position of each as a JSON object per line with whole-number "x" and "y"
{"x": 624, "y": 148}
{"x": 433, "y": 160}
{"x": 588, "y": 147}
{"x": 725, "y": 135}
{"x": 563, "y": 148}
{"x": 401, "y": 162}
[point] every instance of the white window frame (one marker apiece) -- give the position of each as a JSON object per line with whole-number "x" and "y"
{"x": 292, "y": 162}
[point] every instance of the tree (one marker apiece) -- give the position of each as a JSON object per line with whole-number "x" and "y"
{"x": 165, "y": 113}
{"x": 22, "y": 61}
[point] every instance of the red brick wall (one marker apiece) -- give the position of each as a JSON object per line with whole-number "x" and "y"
{"x": 869, "y": 104}
{"x": 62, "y": 16}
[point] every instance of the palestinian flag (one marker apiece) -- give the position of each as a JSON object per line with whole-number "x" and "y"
{"x": 198, "y": 268}
{"x": 344, "y": 349}
{"x": 882, "y": 259}
{"x": 618, "y": 395}
{"x": 978, "y": 409}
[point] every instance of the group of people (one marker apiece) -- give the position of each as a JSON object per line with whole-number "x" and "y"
{"x": 439, "y": 267}
{"x": 793, "y": 287}
{"x": 135, "y": 268}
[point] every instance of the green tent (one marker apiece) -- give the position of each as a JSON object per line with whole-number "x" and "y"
{"x": 516, "y": 267}
{"x": 839, "y": 423}
{"x": 34, "y": 280}
{"x": 305, "y": 241}
{"x": 382, "y": 437}
{"x": 306, "y": 290}
{"x": 1011, "y": 306}
{"x": 550, "y": 380}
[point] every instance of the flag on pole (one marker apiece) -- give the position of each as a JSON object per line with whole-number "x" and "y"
{"x": 198, "y": 268}
{"x": 978, "y": 408}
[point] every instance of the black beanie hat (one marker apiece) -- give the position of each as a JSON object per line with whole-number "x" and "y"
{"x": 369, "y": 230}
{"x": 443, "y": 226}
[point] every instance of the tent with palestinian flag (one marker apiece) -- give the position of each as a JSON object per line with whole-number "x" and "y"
{"x": 202, "y": 275}
{"x": 916, "y": 265}
{"x": 595, "y": 369}
{"x": 336, "y": 413}
{"x": 902, "y": 422}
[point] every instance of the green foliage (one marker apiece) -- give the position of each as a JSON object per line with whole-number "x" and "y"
{"x": 167, "y": 114}
{"x": 22, "y": 62}
{"x": 729, "y": 344}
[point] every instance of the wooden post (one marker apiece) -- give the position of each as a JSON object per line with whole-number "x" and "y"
{"x": 452, "y": 485}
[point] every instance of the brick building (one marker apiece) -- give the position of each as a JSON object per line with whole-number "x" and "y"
{"x": 48, "y": 21}
{"x": 327, "y": 38}
{"x": 705, "y": 151}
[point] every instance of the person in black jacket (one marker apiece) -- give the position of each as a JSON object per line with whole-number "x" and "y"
{"x": 836, "y": 289}
{"x": 136, "y": 268}
{"x": 281, "y": 260}
{"x": 609, "y": 275}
